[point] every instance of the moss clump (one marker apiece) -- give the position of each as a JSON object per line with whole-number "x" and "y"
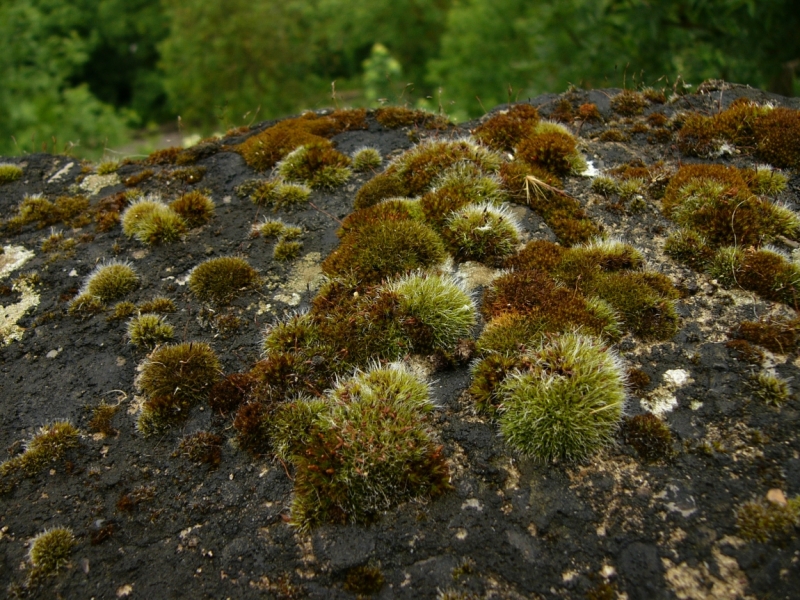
{"x": 605, "y": 186}
{"x": 394, "y": 117}
{"x": 384, "y": 249}
{"x": 51, "y": 549}
{"x": 86, "y": 305}
{"x": 201, "y": 447}
{"x": 107, "y": 167}
{"x": 285, "y": 250}
{"x": 389, "y": 456}
{"x": 777, "y": 137}
{"x": 487, "y": 375}
{"x": 505, "y": 130}
{"x": 149, "y": 330}
{"x": 227, "y": 395}
{"x": 264, "y": 150}
{"x": 779, "y": 335}
{"x": 614, "y": 135}
{"x": 174, "y": 378}
{"x": 628, "y": 103}
{"x": 160, "y": 305}
{"x": 394, "y": 209}
{"x": 537, "y": 254}
{"x": 483, "y": 233}
{"x": 689, "y": 248}
{"x": 511, "y": 333}
{"x": 195, "y": 207}
{"x": 462, "y": 184}
{"x": 9, "y": 173}
{"x": 648, "y": 435}
{"x": 364, "y": 579}
{"x": 765, "y": 272}
{"x": 589, "y": 112}
{"x": 366, "y": 159}
{"x": 220, "y": 280}
{"x": 279, "y": 195}
{"x": 435, "y": 310}
{"x": 716, "y": 201}
{"x": 318, "y": 165}
{"x": 138, "y": 178}
{"x": 48, "y": 445}
{"x": 566, "y": 402}
{"x": 102, "y": 417}
{"x": 765, "y": 181}
{"x": 109, "y": 281}
{"x": 383, "y": 186}
{"x": 766, "y": 522}
{"x": 71, "y": 210}
{"x": 152, "y": 222}
{"x": 553, "y": 149}
{"x": 771, "y": 388}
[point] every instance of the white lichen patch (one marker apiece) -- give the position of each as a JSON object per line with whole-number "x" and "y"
{"x": 663, "y": 400}
{"x": 61, "y": 172}
{"x": 94, "y": 183}
{"x": 12, "y": 258}
{"x": 10, "y": 315}
{"x": 305, "y": 277}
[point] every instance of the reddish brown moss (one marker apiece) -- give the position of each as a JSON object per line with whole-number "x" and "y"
{"x": 505, "y": 130}
{"x": 563, "y": 111}
{"x": 780, "y": 335}
{"x": 746, "y": 351}
{"x": 138, "y": 178}
{"x": 385, "y": 185}
{"x": 648, "y": 435}
{"x": 252, "y": 431}
{"x": 486, "y": 376}
{"x": 394, "y": 117}
{"x": 227, "y": 395}
{"x": 165, "y": 156}
{"x": 537, "y": 254}
{"x": 777, "y": 137}
{"x": 551, "y": 151}
{"x": 628, "y": 103}
{"x": 390, "y": 210}
{"x": 201, "y": 447}
{"x": 195, "y": 207}
{"x": 613, "y": 135}
{"x": 589, "y": 112}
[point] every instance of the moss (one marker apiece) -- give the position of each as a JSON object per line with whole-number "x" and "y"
{"x": 511, "y": 333}
{"x": 487, "y": 375}
{"x": 110, "y": 281}
{"x": 188, "y": 175}
{"x": 563, "y": 112}
{"x": 537, "y": 254}
{"x": 458, "y": 186}
{"x": 318, "y": 165}
{"x": 767, "y": 522}
{"x": 285, "y": 250}
{"x": 174, "y": 378}
{"x": 122, "y": 310}
{"x": 264, "y": 150}
{"x": 393, "y": 209}
{"x": 395, "y": 117}
{"x": 220, "y": 280}
{"x": 482, "y": 232}
{"x": 364, "y": 579}
{"x": 385, "y": 185}
{"x": 138, "y": 178}
{"x": 195, "y": 207}
{"x": 71, "y": 210}
{"x": 657, "y": 119}
{"x": 505, "y": 130}
{"x": 614, "y": 135}
{"x": 628, "y": 103}
{"x": 555, "y": 151}
{"x": 366, "y": 159}
{"x": 164, "y": 156}
{"x": 228, "y": 394}
{"x": 770, "y": 275}
{"x": 377, "y": 251}
{"x": 9, "y": 173}
{"x": 771, "y": 389}
{"x": 746, "y": 351}
{"x": 434, "y": 309}
{"x": 765, "y": 181}
{"x": 589, "y": 112}
{"x": 201, "y": 447}
{"x": 605, "y": 186}
{"x": 86, "y": 305}
{"x": 716, "y": 201}
{"x": 536, "y": 295}
{"x": 777, "y": 137}
{"x": 160, "y": 305}
{"x": 566, "y": 402}
{"x": 102, "y": 417}
{"x": 389, "y": 457}
{"x": 51, "y": 549}
{"x": 778, "y": 335}
{"x": 152, "y": 222}
{"x": 689, "y": 248}
{"x": 638, "y": 380}
{"x": 648, "y": 435}
{"x": 146, "y": 331}
{"x": 48, "y": 445}
{"x": 107, "y": 167}
{"x": 107, "y": 211}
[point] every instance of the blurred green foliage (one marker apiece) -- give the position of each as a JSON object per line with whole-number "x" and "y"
{"x": 85, "y": 72}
